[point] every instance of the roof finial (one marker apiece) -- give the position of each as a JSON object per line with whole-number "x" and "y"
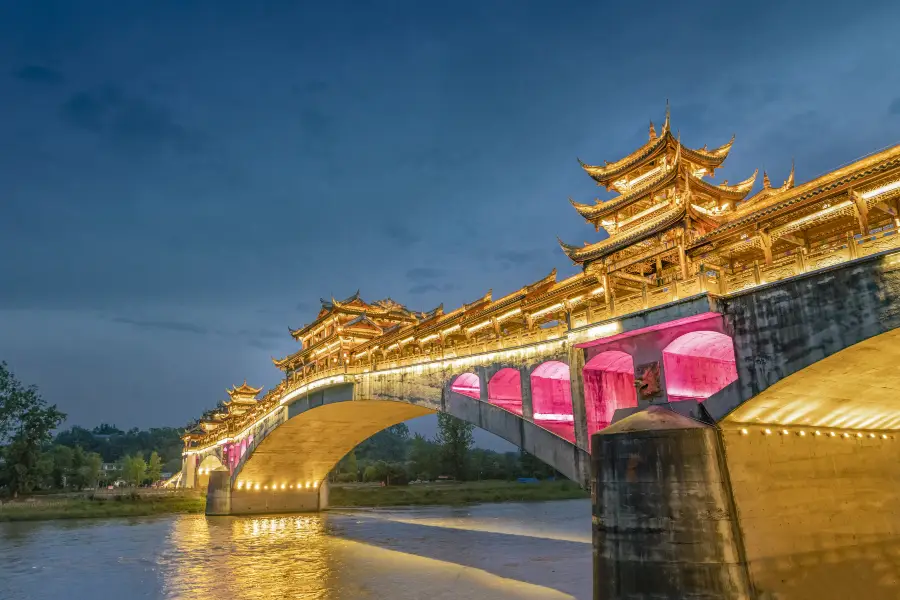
{"x": 652, "y": 132}
{"x": 790, "y": 180}
{"x": 668, "y": 116}
{"x": 766, "y": 183}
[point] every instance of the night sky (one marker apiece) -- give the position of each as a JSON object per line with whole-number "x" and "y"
{"x": 182, "y": 181}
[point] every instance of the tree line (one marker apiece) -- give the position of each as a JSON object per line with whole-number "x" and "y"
{"x": 31, "y": 458}
{"x": 393, "y": 457}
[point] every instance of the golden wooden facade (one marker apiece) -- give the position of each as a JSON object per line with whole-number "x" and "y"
{"x": 672, "y": 233}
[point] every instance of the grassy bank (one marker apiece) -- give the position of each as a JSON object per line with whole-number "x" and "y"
{"x": 452, "y": 493}
{"x": 83, "y": 506}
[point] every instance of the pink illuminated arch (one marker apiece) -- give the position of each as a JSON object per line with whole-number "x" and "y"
{"x": 608, "y": 385}
{"x": 698, "y": 364}
{"x": 505, "y": 390}
{"x": 551, "y": 396}
{"x": 467, "y": 384}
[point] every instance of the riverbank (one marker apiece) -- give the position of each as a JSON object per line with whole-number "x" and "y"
{"x": 359, "y": 496}
{"x": 162, "y": 502}
{"x": 98, "y": 506}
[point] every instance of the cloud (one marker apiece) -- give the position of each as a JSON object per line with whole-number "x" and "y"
{"x": 521, "y": 256}
{"x": 127, "y": 121}
{"x": 894, "y": 107}
{"x": 38, "y": 75}
{"x": 160, "y": 325}
{"x": 402, "y": 234}
{"x": 425, "y": 288}
{"x": 424, "y": 273}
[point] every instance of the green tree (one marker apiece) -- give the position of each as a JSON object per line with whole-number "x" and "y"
{"x": 455, "y": 439}
{"x": 154, "y": 467}
{"x": 134, "y": 470}
{"x": 88, "y": 473}
{"x": 62, "y": 465}
{"x": 350, "y": 466}
{"x": 423, "y": 459}
{"x": 26, "y": 423}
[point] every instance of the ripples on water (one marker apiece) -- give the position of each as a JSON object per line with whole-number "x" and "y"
{"x": 539, "y": 550}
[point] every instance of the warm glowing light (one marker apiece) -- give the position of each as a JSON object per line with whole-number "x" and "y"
{"x": 598, "y": 290}
{"x": 605, "y": 330}
{"x": 265, "y": 487}
{"x": 292, "y": 486}
{"x": 802, "y": 434}
{"x": 256, "y": 487}
{"x": 240, "y": 484}
{"x": 282, "y": 486}
{"x": 744, "y": 432}
{"x": 784, "y": 432}
{"x": 871, "y": 435}
{"x": 846, "y": 435}
{"x": 883, "y": 436}
{"x": 818, "y": 432}
{"x": 881, "y": 190}
{"x": 315, "y": 484}
{"x": 428, "y": 338}
{"x": 511, "y": 313}
{"x": 481, "y": 325}
{"x": 308, "y": 484}
{"x": 832, "y": 434}
{"x": 859, "y": 435}
{"x": 767, "y": 431}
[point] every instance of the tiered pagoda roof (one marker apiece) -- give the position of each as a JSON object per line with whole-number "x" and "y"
{"x": 664, "y": 194}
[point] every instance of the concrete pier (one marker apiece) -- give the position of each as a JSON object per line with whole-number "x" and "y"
{"x": 663, "y": 522}
{"x": 222, "y": 500}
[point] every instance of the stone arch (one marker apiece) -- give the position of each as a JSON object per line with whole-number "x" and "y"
{"x": 467, "y": 384}
{"x": 505, "y": 390}
{"x": 857, "y": 388}
{"x": 551, "y": 397}
{"x": 608, "y": 386}
{"x": 315, "y": 435}
{"x": 698, "y": 364}
{"x": 210, "y": 463}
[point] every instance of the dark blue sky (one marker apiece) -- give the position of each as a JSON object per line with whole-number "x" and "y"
{"x": 181, "y": 181}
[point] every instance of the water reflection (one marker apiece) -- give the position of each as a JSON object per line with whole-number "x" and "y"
{"x": 385, "y": 554}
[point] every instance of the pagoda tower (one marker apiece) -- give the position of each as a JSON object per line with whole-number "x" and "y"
{"x": 665, "y": 202}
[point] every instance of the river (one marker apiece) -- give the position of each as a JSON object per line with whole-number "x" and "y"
{"x": 505, "y": 551}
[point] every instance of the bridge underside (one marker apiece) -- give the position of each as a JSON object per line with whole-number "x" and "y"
{"x": 307, "y": 446}
{"x": 793, "y": 495}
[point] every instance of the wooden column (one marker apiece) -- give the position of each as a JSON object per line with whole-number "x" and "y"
{"x": 682, "y": 258}
{"x": 765, "y": 241}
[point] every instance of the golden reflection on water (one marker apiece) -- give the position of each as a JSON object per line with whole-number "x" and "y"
{"x": 297, "y": 557}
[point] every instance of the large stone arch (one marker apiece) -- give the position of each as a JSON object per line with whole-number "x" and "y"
{"x": 285, "y": 466}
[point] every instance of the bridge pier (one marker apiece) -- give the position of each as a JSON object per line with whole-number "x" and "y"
{"x": 683, "y": 509}
{"x": 663, "y": 521}
{"x": 222, "y": 500}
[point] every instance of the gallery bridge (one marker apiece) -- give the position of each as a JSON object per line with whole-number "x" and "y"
{"x": 723, "y": 374}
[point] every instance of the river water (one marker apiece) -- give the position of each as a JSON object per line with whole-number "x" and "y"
{"x": 505, "y": 551}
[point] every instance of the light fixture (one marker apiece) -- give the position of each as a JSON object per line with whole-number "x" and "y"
{"x": 818, "y": 432}
{"x": 744, "y": 432}
{"x": 784, "y": 432}
{"x": 256, "y": 487}
{"x": 801, "y": 433}
{"x": 282, "y": 486}
{"x": 767, "y": 431}
{"x": 832, "y": 434}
